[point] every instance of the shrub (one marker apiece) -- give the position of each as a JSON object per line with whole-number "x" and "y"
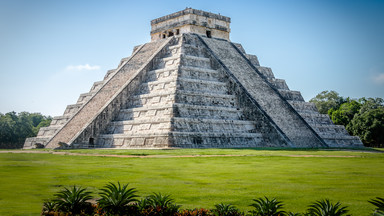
{"x": 49, "y": 206}
{"x": 73, "y": 200}
{"x": 158, "y": 204}
{"x": 226, "y": 210}
{"x": 116, "y": 198}
{"x": 326, "y": 208}
{"x": 195, "y": 212}
{"x": 266, "y": 207}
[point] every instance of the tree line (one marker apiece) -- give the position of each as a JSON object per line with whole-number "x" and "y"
{"x": 363, "y": 117}
{"x": 16, "y": 127}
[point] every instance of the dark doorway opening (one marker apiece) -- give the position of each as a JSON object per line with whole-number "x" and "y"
{"x": 91, "y": 142}
{"x": 208, "y": 34}
{"x": 170, "y": 34}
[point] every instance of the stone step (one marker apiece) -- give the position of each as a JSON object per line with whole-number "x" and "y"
{"x": 171, "y": 61}
{"x": 196, "y": 85}
{"x": 152, "y": 99}
{"x": 291, "y": 95}
{"x": 253, "y": 59}
{"x": 109, "y": 73}
{"x": 184, "y": 72}
{"x": 207, "y": 112}
{"x": 72, "y": 109}
{"x": 164, "y": 84}
{"x": 123, "y": 61}
{"x": 193, "y": 50}
{"x": 152, "y": 140}
{"x": 152, "y": 112}
{"x": 30, "y": 142}
{"x": 212, "y": 125}
{"x": 140, "y": 126}
{"x": 279, "y": 84}
{"x": 85, "y": 97}
{"x": 330, "y": 129}
{"x": 59, "y": 120}
{"x": 316, "y": 118}
{"x": 266, "y": 71}
{"x": 216, "y": 140}
{"x": 206, "y": 99}
{"x": 48, "y": 131}
{"x": 162, "y": 73}
{"x": 345, "y": 141}
{"x": 195, "y": 61}
{"x": 303, "y": 107}
{"x": 185, "y": 97}
{"x": 163, "y": 124}
{"x": 180, "y": 110}
{"x": 96, "y": 86}
{"x": 199, "y": 73}
{"x": 181, "y": 140}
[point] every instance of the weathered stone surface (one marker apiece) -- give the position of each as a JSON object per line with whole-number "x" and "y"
{"x": 191, "y": 91}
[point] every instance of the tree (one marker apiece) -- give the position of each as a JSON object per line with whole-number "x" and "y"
{"x": 361, "y": 117}
{"x": 369, "y": 126}
{"x": 15, "y": 128}
{"x": 345, "y": 113}
{"x": 327, "y": 100}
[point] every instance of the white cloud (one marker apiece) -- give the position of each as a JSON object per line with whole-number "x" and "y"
{"x": 85, "y": 67}
{"x": 379, "y": 78}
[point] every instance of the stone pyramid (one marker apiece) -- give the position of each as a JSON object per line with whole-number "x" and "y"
{"x": 190, "y": 87}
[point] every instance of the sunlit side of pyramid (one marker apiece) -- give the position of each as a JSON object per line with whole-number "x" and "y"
{"x": 190, "y": 87}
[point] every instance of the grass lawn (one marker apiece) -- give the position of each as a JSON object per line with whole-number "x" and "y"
{"x": 297, "y": 177}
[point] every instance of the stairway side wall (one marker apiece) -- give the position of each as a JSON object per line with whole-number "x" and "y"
{"x": 269, "y": 100}
{"x": 94, "y": 116}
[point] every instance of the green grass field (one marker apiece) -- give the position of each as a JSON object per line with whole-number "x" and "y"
{"x": 234, "y": 176}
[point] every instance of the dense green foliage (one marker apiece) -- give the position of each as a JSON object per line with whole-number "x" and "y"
{"x": 362, "y": 117}
{"x": 76, "y": 201}
{"x": 15, "y": 128}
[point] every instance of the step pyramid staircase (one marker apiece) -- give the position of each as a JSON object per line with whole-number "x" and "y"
{"x": 188, "y": 94}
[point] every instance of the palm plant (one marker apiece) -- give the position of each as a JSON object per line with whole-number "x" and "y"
{"x": 326, "y": 208}
{"x": 72, "y": 200}
{"x": 379, "y": 203}
{"x": 49, "y": 206}
{"x": 115, "y": 198}
{"x": 226, "y": 210}
{"x": 143, "y": 204}
{"x": 159, "y": 200}
{"x": 266, "y": 207}
{"x": 161, "y": 204}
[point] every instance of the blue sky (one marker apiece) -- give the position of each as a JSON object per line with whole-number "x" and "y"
{"x": 52, "y": 51}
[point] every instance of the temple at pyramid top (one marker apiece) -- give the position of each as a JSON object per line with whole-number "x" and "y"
{"x": 191, "y": 21}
